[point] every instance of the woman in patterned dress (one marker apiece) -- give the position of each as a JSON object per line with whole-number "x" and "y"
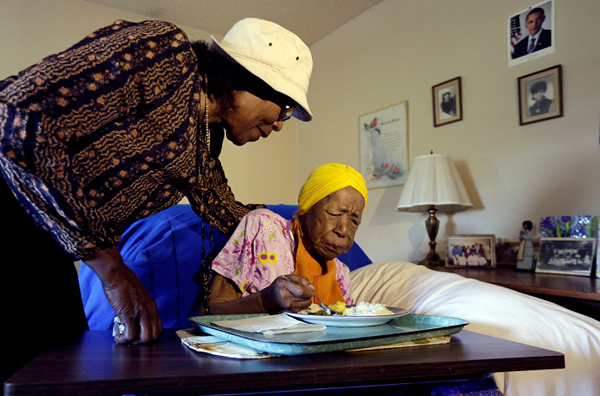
{"x": 123, "y": 124}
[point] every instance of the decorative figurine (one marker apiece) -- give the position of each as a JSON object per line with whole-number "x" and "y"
{"x": 525, "y": 257}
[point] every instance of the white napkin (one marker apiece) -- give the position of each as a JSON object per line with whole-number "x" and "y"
{"x": 272, "y": 324}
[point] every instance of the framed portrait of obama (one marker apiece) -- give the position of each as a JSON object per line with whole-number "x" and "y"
{"x": 531, "y": 33}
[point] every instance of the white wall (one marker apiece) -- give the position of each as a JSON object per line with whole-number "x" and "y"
{"x": 397, "y": 51}
{"x": 262, "y": 172}
{"x": 32, "y": 29}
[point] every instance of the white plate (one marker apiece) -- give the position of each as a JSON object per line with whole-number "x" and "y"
{"x": 349, "y": 321}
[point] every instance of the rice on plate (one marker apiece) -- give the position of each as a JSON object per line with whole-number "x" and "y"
{"x": 367, "y": 309}
{"x": 361, "y": 309}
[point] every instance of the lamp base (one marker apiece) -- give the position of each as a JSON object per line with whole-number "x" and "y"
{"x": 432, "y": 224}
{"x": 432, "y": 263}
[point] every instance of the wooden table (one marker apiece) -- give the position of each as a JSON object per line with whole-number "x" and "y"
{"x": 577, "y": 293}
{"x": 95, "y": 365}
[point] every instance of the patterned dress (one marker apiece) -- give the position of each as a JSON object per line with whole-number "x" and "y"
{"x": 108, "y": 132}
{"x": 261, "y": 249}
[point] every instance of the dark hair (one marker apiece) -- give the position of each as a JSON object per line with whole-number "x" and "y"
{"x": 225, "y": 76}
{"x": 220, "y": 72}
{"x": 538, "y": 86}
{"x": 535, "y": 10}
{"x": 528, "y": 224}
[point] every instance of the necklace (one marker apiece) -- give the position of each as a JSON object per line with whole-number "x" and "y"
{"x": 206, "y": 112}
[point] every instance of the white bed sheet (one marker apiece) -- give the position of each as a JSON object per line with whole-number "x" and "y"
{"x": 498, "y": 312}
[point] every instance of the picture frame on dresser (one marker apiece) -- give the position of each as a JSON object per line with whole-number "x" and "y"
{"x": 471, "y": 250}
{"x": 507, "y": 253}
{"x": 567, "y": 256}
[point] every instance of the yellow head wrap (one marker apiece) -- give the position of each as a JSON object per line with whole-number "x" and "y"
{"x": 327, "y": 179}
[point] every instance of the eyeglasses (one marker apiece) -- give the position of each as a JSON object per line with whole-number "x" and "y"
{"x": 259, "y": 88}
{"x": 286, "y": 112}
{"x": 286, "y": 104}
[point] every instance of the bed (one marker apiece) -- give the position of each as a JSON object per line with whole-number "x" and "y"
{"x": 164, "y": 251}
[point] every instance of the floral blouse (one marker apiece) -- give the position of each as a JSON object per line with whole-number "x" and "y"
{"x": 261, "y": 249}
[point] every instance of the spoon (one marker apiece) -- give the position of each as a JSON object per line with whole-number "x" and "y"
{"x": 324, "y": 307}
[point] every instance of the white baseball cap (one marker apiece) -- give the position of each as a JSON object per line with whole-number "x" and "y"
{"x": 273, "y": 54}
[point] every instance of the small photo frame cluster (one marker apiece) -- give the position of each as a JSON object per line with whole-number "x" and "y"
{"x": 507, "y": 253}
{"x": 540, "y": 95}
{"x": 447, "y": 102}
{"x": 471, "y": 251}
{"x": 568, "y": 256}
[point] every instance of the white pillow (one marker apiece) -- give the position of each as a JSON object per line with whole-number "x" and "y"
{"x": 498, "y": 312}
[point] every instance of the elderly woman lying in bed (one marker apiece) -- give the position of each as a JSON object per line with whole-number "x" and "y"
{"x": 271, "y": 264}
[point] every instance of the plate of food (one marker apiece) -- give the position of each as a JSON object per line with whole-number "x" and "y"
{"x": 362, "y": 314}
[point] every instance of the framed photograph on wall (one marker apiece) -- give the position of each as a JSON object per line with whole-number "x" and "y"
{"x": 568, "y": 256}
{"x": 540, "y": 95}
{"x": 471, "y": 251}
{"x": 383, "y": 138}
{"x": 447, "y": 102}
{"x": 531, "y": 33}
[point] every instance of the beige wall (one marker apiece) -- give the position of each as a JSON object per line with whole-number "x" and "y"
{"x": 397, "y": 51}
{"x": 262, "y": 172}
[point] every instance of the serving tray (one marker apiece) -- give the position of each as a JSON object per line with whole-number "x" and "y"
{"x": 405, "y": 328}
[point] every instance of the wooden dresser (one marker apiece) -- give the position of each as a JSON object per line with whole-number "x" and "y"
{"x": 577, "y": 293}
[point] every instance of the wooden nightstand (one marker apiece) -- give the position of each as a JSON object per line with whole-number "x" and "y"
{"x": 577, "y": 293}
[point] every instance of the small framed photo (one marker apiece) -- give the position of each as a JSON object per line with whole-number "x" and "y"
{"x": 507, "y": 253}
{"x": 471, "y": 251}
{"x": 568, "y": 256}
{"x": 447, "y": 102}
{"x": 597, "y": 255}
{"x": 540, "y": 95}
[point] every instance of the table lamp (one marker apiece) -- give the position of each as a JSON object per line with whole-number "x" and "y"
{"x": 433, "y": 184}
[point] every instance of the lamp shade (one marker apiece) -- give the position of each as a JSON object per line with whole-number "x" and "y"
{"x": 433, "y": 180}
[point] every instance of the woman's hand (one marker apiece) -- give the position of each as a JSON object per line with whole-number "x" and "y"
{"x": 128, "y": 297}
{"x": 292, "y": 292}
